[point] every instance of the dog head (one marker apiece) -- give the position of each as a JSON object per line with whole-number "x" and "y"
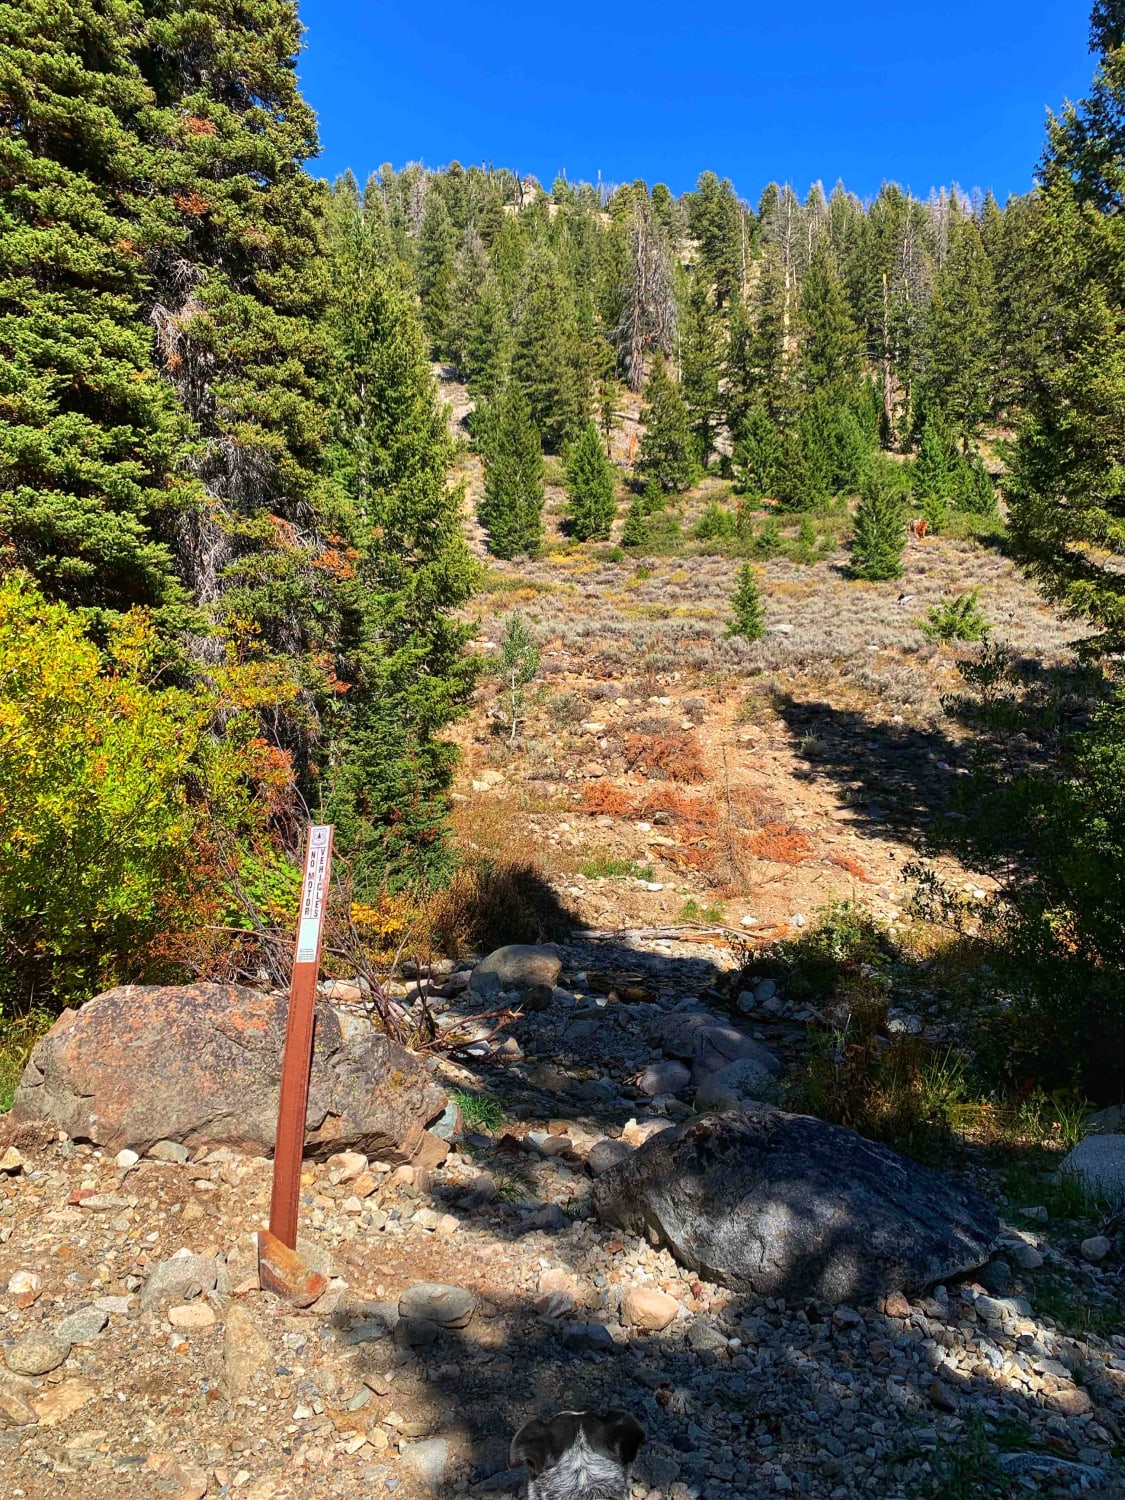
{"x": 578, "y": 1455}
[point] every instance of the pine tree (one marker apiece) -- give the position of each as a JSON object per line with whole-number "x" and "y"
{"x": 547, "y": 357}
{"x": 879, "y": 534}
{"x": 90, "y": 438}
{"x": 667, "y": 448}
{"x": 749, "y": 620}
{"x": 757, "y": 455}
{"x": 436, "y": 269}
{"x": 387, "y": 779}
{"x": 512, "y": 505}
{"x": 1068, "y": 500}
{"x": 935, "y": 472}
{"x": 590, "y": 485}
{"x": 960, "y": 354}
{"x": 636, "y": 531}
{"x": 700, "y": 368}
{"x": 715, "y": 219}
{"x": 830, "y": 346}
{"x": 488, "y": 346}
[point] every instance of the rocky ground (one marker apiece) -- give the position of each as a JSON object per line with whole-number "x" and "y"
{"x": 132, "y": 1367}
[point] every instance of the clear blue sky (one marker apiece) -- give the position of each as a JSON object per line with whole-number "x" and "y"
{"x": 921, "y": 92}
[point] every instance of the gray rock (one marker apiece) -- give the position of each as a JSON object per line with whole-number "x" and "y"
{"x": 996, "y": 1277}
{"x": 1025, "y": 1256}
{"x": 764, "y": 990}
{"x": 37, "y": 1353}
{"x": 179, "y": 1280}
{"x": 665, "y": 1078}
{"x": 83, "y": 1326}
{"x": 200, "y": 1064}
{"x": 606, "y": 1153}
{"x": 520, "y": 966}
{"x": 733, "y": 1087}
{"x": 786, "y": 1205}
{"x": 1099, "y": 1161}
{"x": 701, "y": 1335}
{"x": 428, "y": 1459}
{"x": 368, "y": 1331}
{"x": 585, "y": 1337}
{"x": 716, "y": 1047}
{"x": 169, "y": 1151}
{"x": 415, "y": 1333}
{"x": 449, "y": 1306}
{"x": 1096, "y": 1248}
{"x": 550, "y": 1216}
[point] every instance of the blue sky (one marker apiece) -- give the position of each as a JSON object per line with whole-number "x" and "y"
{"x": 920, "y": 92}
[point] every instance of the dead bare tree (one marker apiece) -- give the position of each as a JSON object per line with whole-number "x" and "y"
{"x": 648, "y": 321}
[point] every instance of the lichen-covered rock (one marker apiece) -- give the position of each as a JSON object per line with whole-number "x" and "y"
{"x": 200, "y": 1064}
{"x": 789, "y": 1206}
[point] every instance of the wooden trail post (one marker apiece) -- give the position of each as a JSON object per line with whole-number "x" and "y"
{"x": 280, "y": 1269}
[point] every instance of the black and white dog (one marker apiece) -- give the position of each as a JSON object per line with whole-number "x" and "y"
{"x": 578, "y": 1455}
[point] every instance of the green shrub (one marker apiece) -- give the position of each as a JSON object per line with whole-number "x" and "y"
{"x": 749, "y": 620}
{"x": 122, "y": 814}
{"x": 959, "y": 619}
{"x": 716, "y": 524}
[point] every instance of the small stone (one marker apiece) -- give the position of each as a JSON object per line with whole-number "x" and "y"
{"x": 428, "y": 1459}
{"x": 125, "y": 1160}
{"x": 665, "y": 1078}
{"x": 1096, "y": 1248}
{"x": 1026, "y": 1257}
{"x": 346, "y": 1166}
{"x": 37, "y": 1353}
{"x": 587, "y": 1337}
{"x": 637, "y": 1132}
{"x": 11, "y": 1162}
{"x": 83, "y": 1326}
{"x": 25, "y": 1287}
{"x": 192, "y": 1315}
{"x": 646, "y": 1307}
{"x": 1072, "y": 1401}
{"x": 449, "y": 1306}
{"x": 414, "y": 1333}
{"x": 896, "y": 1306}
{"x": 170, "y": 1151}
{"x": 14, "y": 1409}
{"x": 58, "y": 1404}
{"x": 179, "y": 1279}
{"x": 847, "y": 1317}
{"x": 605, "y": 1154}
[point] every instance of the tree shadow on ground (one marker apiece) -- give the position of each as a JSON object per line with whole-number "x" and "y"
{"x": 792, "y": 1398}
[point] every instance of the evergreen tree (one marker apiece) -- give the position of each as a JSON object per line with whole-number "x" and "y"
{"x": 512, "y": 505}
{"x": 470, "y": 272}
{"x": 636, "y": 532}
{"x": 935, "y": 472}
{"x": 879, "y": 534}
{"x": 590, "y": 485}
{"x": 667, "y": 448}
{"x": 715, "y": 219}
{"x": 1068, "y": 499}
{"x": 749, "y": 620}
{"x": 757, "y": 455}
{"x": 387, "y": 781}
{"x": 830, "y": 346}
{"x": 547, "y": 358}
{"x": 488, "y": 344}
{"x": 435, "y": 266}
{"x": 960, "y": 357}
{"x": 700, "y": 368}
{"x": 797, "y": 485}
{"x": 90, "y": 439}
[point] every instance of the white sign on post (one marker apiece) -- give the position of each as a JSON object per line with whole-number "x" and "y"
{"x": 313, "y": 896}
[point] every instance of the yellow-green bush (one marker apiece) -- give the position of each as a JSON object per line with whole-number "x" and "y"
{"x": 124, "y": 814}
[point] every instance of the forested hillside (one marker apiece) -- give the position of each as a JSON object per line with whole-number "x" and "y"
{"x": 235, "y": 516}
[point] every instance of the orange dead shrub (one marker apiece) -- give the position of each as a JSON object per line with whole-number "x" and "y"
{"x": 602, "y": 799}
{"x": 666, "y": 757}
{"x": 781, "y": 844}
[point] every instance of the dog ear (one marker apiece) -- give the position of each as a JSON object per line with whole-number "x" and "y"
{"x": 618, "y": 1435}
{"x": 539, "y": 1445}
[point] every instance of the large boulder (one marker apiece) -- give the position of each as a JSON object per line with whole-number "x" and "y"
{"x": 784, "y": 1205}
{"x": 709, "y": 1045}
{"x": 1099, "y": 1164}
{"x": 201, "y": 1064}
{"x": 531, "y": 970}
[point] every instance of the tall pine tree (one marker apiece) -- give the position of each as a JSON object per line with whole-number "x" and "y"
{"x": 667, "y": 448}
{"x": 590, "y": 485}
{"x": 512, "y": 505}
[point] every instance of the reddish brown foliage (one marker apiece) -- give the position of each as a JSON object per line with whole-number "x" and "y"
{"x": 191, "y": 203}
{"x": 666, "y": 757}
{"x": 604, "y": 799}
{"x": 781, "y": 844}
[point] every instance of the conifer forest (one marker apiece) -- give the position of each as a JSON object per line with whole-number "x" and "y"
{"x": 741, "y": 568}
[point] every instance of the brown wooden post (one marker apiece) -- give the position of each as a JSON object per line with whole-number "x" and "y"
{"x": 279, "y": 1268}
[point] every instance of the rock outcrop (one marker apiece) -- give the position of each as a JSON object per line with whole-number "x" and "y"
{"x": 788, "y": 1206}
{"x": 201, "y": 1064}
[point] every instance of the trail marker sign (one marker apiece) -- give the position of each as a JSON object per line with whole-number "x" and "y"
{"x": 295, "y": 1067}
